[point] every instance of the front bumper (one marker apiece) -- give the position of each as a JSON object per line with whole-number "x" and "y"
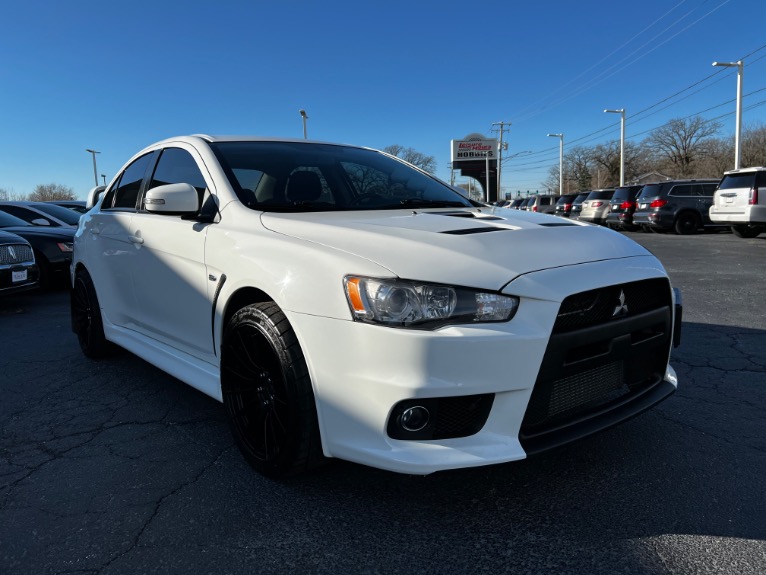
{"x": 362, "y": 373}
{"x": 7, "y": 283}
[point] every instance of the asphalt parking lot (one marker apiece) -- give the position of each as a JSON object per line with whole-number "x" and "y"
{"x": 115, "y": 467}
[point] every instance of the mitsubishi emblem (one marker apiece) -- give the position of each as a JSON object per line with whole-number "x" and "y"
{"x": 621, "y": 309}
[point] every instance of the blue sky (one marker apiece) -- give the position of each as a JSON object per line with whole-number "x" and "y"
{"x": 117, "y": 77}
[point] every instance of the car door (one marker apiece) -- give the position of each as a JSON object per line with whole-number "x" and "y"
{"x": 110, "y": 250}
{"x": 168, "y": 271}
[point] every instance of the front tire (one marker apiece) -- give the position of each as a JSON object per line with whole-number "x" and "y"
{"x": 745, "y": 231}
{"x": 267, "y": 393}
{"x": 87, "y": 323}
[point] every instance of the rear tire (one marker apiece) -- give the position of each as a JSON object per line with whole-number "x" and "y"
{"x": 746, "y": 231}
{"x": 86, "y": 318}
{"x": 267, "y": 393}
{"x": 687, "y": 223}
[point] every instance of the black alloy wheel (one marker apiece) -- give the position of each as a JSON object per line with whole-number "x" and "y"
{"x": 267, "y": 393}
{"x": 86, "y": 317}
{"x": 687, "y": 223}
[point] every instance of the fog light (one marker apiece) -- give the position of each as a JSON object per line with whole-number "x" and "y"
{"x": 414, "y": 418}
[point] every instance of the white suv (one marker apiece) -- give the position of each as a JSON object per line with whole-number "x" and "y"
{"x": 740, "y": 200}
{"x": 342, "y": 303}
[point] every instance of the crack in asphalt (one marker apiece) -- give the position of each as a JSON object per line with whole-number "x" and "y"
{"x": 159, "y": 503}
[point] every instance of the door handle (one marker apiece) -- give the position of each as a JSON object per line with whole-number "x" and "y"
{"x": 136, "y": 239}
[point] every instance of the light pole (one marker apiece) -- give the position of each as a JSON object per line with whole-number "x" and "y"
{"x": 561, "y": 161}
{"x": 500, "y": 153}
{"x": 740, "y": 65}
{"x": 621, "y": 111}
{"x": 95, "y": 171}
{"x": 305, "y": 117}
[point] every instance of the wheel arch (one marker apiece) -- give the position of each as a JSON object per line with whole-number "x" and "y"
{"x": 240, "y": 298}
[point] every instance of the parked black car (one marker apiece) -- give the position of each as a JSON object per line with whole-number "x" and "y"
{"x": 576, "y": 208}
{"x": 52, "y": 248}
{"x": 678, "y": 205}
{"x": 18, "y": 271}
{"x": 622, "y": 206}
{"x": 528, "y": 201}
{"x": 41, "y": 213}
{"x": 516, "y": 203}
{"x": 74, "y": 205}
{"x": 564, "y": 204}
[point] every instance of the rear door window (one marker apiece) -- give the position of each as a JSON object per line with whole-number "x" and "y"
{"x": 683, "y": 190}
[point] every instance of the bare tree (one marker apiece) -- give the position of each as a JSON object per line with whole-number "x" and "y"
{"x": 717, "y": 158}
{"x": 552, "y": 181}
{"x": 682, "y": 142}
{"x": 607, "y": 158}
{"x": 577, "y": 168}
{"x": 10, "y": 196}
{"x": 419, "y": 159}
{"x": 48, "y": 192}
{"x": 754, "y": 146}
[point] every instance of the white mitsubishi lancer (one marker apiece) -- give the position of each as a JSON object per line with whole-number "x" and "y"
{"x": 342, "y": 303}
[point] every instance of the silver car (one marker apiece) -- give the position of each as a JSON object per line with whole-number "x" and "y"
{"x": 596, "y": 207}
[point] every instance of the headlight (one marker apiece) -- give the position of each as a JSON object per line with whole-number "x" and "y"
{"x": 404, "y": 303}
{"x": 66, "y": 246}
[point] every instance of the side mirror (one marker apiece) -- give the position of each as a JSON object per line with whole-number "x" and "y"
{"x": 40, "y": 222}
{"x": 93, "y": 196}
{"x": 172, "y": 199}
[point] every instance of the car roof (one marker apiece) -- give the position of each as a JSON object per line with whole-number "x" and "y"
{"x": 745, "y": 170}
{"x": 197, "y": 138}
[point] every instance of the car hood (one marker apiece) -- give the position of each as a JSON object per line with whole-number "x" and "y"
{"x": 66, "y": 234}
{"x": 9, "y": 238}
{"x": 481, "y": 248}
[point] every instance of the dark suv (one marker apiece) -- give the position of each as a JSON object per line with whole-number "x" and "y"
{"x": 680, "y": 205}
{"x": 621, "y": 207}
{"x": 576, "y": 208}
{"x": 543, "y": 204}
{"x": 564, "y": 204}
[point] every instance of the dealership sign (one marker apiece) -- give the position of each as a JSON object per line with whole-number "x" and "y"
{"x": 474, "y": 149}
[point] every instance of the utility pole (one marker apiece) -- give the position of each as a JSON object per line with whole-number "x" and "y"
{"x": 500, "y": 156}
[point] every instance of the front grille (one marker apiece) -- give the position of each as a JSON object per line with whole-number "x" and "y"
{"x": 597, "y": 306}
{"x": 597, "y": 360}
{"x": 15, "y": 254}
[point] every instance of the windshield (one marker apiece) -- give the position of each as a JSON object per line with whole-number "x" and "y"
{"x": 579, "y": 199}
{"x": 294, "y": 176}
{"x": 7, "y": 220}
{"x": 67, "y": 216}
